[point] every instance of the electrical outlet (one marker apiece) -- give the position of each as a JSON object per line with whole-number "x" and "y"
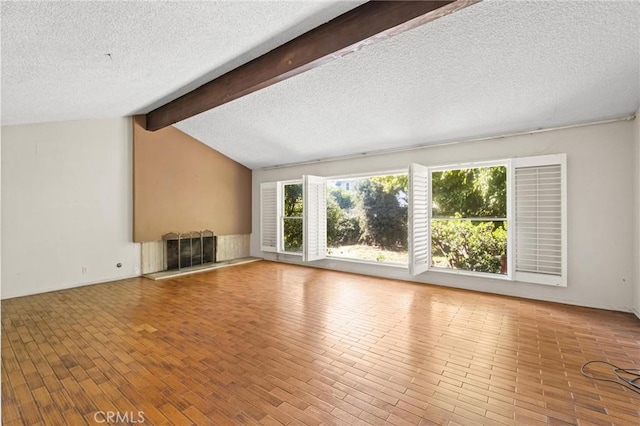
{"x": 85, "y": 269}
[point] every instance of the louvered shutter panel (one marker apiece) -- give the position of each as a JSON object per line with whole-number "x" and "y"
{"x": 314, "y": 196}
{"x": 418, "y": 219}
{"x": 540, "y": 219}
{"x": 269, "y": 216}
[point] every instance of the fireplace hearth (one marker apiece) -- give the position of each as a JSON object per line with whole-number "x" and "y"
{"x": 184, "y": 250}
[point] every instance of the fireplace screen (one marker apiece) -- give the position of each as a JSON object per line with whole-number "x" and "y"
{"x": 189, "y": 249}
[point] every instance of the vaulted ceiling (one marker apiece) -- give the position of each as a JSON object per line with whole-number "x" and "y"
{"x": 495, "y": 67}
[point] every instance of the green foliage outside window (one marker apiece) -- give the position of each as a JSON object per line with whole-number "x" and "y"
{"x": 343, "y": 224}
{"x": 459, "y": 196}
{"x": 469, "y": 245}
{"x": 292, "y": 223}
{"x": 344, "y": 199}
{"x": 384, "y": 201}
{"x": 374, "y": 213}
{"x": 477, "y": 192}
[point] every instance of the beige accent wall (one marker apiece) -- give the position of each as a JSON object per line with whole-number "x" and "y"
{"x": 181, "y": 184}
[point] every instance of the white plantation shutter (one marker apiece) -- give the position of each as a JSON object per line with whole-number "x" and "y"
{"x": 418, "y": 219}
{"x": 269, "y": 216}
{"x": 314, "y": 199}
{"x": 540, "y": 219}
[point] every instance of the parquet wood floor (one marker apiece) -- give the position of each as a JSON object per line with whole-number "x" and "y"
{"x": 268, "y": 343}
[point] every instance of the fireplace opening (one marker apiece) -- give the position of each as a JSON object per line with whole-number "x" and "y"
{"x": 189, "y": 249}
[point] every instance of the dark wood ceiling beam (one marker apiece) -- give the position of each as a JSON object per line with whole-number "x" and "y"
{"x": 367, "y": 24}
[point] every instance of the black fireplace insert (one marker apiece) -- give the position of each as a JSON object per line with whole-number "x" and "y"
{"x": 189, "y": 249}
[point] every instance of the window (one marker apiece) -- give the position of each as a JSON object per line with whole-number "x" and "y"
{"x": 461, "y": 219}
{"x": 367, "y": 218}
{"x": 503, "y": 219}
{"x": 292, "y": 217}
{"x": 469, "y": 219}
{"x": 292, "y": 211}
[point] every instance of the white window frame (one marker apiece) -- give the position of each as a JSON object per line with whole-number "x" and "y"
{"x": 314, "y": 224}
{"x": 508, "y": 219}
{"x": 417, "y": 268}
{"x": 419, "y": 245}
{"x": 269, "y": 213}
{"x": 313, "y": 217}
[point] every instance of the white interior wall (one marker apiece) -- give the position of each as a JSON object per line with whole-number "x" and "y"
{"x": 636, "y": 262}
{"x": 0, "y": 220}
{"x": 601, "y": 186}
{"x": 66, "y": 205}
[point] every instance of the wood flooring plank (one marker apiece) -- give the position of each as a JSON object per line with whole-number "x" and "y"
{"x": 269, "y": 343}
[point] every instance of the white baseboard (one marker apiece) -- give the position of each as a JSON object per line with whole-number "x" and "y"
{"x": 395, "y": 273}
{"x": 65, "y": 287}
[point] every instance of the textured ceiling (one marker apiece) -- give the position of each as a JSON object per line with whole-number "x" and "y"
{"x": 490, "y": 69}
{"x": 493, "y": 68}
{"x": 74, "y": 60}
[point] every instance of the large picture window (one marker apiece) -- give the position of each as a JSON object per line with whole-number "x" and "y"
{"x": 504, "y": 218}
{"x": 367, "y": 218}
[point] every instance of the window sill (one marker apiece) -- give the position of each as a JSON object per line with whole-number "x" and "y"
{"x": 368, "y": 262}
{"x": 483, "y": 275}
{"x": 344, "y": 259}
{"x": 471, "y": 274}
